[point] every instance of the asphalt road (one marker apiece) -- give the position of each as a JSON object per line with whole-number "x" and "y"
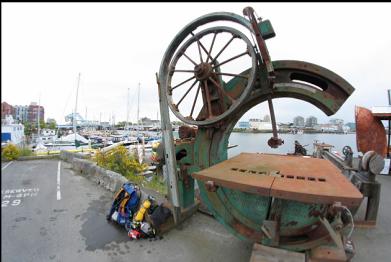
{"x": 40, "y": 224}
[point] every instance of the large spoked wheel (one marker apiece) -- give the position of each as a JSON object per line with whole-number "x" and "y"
{"x": 197, "y": 67}
{"x": 205, "y": 74}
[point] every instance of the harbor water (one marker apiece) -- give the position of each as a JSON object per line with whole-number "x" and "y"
{"x": 257, "y": 142}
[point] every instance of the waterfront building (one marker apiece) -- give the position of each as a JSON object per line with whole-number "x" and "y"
{"x": 311, "y": 121}
{"x": 327, "y": 128}
{"x": 21, "y": 113}
{"x": 259, "y": 124}
{"x": 337, "y": 122}
{"x": 243, "y": 125}
{"x": 6, "y": 110}
{"x": 298, "y": 121}
{"x": 32, "y": 115}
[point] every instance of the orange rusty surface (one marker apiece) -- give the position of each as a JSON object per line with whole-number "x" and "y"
{"x": 370, "y": 132}
{"x": 309, "y": 180}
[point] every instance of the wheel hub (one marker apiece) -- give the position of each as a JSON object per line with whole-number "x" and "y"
{"x": 203, "y": 71}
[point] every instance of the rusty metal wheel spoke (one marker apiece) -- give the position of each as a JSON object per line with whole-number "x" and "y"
{"x": 229, "y": 60}
{"x": 222, "y": 50}
{"x": 211, "y": 47}
{"x": 229, "y": 74}
{"x": 195, "y": 100}
{"x": 187, "y": 92}
{"x": 184, "y": 82}
{"x": 199, "y": 47}
{"x": 191, "y": 60}
{"x": 183, "y": 71}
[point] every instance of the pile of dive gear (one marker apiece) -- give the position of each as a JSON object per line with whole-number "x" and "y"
{"x": 130, "y": 209}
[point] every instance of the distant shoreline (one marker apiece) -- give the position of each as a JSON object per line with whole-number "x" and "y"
{"x": 240, "y": 130}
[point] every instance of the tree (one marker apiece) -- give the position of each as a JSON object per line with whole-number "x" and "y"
{"x": 28, "y": 130}
{"x": 51, "y": 125}
{"x": 42, "y": 124}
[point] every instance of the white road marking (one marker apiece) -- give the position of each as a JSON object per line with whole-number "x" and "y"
{"x": 58, "y": 181}
{"x": 4, "y": 167}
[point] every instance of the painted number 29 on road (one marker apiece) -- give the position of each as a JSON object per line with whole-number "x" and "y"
{"x": 15, "y": 202}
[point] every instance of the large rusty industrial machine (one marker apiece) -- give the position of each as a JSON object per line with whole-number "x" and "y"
{"x": 216, "y": 69}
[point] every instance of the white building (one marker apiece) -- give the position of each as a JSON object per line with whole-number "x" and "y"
{"x": 260, "y": 124}
{"x": 11, "y": 132}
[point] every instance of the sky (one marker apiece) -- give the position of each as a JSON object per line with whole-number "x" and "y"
{"x": 116, "y": 46}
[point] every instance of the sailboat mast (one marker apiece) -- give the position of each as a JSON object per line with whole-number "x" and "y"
{"x": 138, "y": 107}
{"x": 74, "y": 114}
{"x": 127, "y": 112}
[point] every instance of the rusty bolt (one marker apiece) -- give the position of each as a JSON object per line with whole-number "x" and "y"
{"x": 210, "y": 186}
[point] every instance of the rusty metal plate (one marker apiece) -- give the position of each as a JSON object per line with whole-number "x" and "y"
{"x": 308, "y": 180}
{"x": 239, "y": 173}
{"x": 370, "y": 132}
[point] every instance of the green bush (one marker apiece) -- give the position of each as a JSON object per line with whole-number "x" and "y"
{"x": 25, "y": 151}
{"x": 10, "y": 152}
{"x": 119, "y": 160}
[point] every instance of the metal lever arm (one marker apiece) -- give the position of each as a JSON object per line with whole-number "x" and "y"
{"x": 274, "y": 141}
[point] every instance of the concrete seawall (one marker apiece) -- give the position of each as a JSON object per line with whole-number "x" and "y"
{"x": 110, "y": 180}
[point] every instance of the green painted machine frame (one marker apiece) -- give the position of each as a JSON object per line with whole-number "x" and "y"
{"x": 271, "y": 221}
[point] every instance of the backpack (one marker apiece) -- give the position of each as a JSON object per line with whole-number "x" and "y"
{"x": 125, "y": 204}
{"x": 160, "y": 215}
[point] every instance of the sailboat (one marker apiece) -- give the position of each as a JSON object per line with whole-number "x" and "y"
{"x": 40, "y": 147}
{"x": 73, "y": 139}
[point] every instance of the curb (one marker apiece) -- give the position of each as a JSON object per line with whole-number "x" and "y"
{"x": 108, "y": 179}
{"x": 25, "y": 158}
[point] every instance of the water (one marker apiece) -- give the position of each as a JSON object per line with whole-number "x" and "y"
{"x": 257, "y": 142}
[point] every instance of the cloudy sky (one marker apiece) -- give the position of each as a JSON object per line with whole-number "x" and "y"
{"x": 115, "y": 46}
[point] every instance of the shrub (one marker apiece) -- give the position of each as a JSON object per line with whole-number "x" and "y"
{"x": 10, "y": 152}
{"x": 121, "y": 161}
{"x": 25, "y": 151}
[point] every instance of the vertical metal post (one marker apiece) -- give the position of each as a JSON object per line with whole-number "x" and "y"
{"x": 169, "y": 154}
